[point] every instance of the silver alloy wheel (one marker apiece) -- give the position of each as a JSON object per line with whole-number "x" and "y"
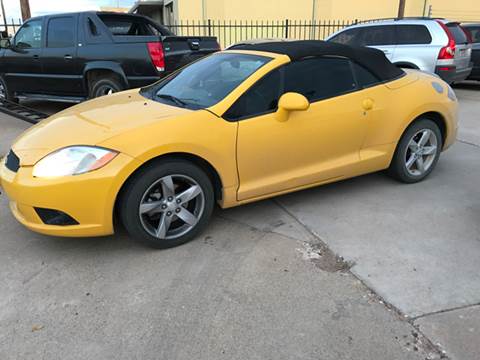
{"x": 421, "y": 152}
{"x": 171, "y": 207}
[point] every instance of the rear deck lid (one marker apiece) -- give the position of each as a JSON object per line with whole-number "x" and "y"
{"x": 412, "y": 76}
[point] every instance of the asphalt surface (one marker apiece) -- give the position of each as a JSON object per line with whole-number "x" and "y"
{"x": 362, "y": 269}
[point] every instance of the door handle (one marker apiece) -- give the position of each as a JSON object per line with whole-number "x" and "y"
{"x": 68, "y": 57}
{"x": 36, "y": 57}
{"x": 367, "y": 104}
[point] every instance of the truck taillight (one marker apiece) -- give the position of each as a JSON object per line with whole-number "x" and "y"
{"x": 157, "y": 55}
{"x": 447, "y": 52}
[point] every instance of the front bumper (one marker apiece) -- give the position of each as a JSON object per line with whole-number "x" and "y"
{"x": 451, "y": 74}
{"x": 87, "y": 198}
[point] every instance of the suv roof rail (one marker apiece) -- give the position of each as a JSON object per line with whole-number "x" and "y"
{"x": 402, "y": 18}
{"x": 420, "y": 18}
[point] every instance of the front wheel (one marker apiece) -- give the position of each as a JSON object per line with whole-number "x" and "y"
{"x": 167, "y": 204}
{"x": 417, "y": 152}
{"x": 5, "y": 93}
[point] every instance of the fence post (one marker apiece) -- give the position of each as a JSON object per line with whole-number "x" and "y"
{"x": 209, "y": 27}
{"x": 286, "y": 29}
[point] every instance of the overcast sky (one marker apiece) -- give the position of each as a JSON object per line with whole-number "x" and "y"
{"x": 41, "y": 7}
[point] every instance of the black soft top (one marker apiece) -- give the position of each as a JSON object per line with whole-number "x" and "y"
{"x": 372, "y": 59}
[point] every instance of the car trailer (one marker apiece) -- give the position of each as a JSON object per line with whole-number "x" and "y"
{"x": 21, "y": 112}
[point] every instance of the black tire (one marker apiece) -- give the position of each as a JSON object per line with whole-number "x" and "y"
{"x": 133, "y": 196}
{"x": 104, "y": 85}
{"x": 7, "y": 94}
{"x": 398, "y": 167}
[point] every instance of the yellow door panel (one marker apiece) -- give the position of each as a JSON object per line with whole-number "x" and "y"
{"x": 311, "y": 146}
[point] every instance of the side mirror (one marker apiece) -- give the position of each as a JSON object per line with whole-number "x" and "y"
{"x": 5, "y": 44}
{"x": 291, "y": 102}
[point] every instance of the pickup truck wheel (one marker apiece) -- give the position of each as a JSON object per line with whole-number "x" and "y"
{"x": 5, "y": 94}
{"x": 104, "y": 86}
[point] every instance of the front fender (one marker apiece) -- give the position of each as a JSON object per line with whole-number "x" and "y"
{"x": 197, "y": 133}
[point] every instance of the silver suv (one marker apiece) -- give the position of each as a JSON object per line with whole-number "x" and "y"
{"x": 433, "y": 45}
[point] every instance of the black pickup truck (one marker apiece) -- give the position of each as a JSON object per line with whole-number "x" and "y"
{"x": 76, "y": 56}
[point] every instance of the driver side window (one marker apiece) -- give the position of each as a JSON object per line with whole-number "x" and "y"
{"x": 29, "y": 36}
{"x": 261, "y": 98}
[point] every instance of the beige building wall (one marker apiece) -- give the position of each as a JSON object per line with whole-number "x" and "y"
{"x": 464, "y": 10}
{"x": 321, "y": 9}
{"x": 114, "y": 9}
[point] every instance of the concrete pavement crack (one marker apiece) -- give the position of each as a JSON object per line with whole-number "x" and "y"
{"x": 429, "y": 344}
{"x": 413, "y": 319}
{"x": 468, "y": 143}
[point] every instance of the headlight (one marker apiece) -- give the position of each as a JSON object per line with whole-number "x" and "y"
{"x": 73, "y": 160}
{"x": 451, "y": 94}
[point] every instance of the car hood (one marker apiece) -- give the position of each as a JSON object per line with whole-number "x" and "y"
{"x": 91, "y": 123}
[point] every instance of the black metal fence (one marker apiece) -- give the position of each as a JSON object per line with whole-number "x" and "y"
{"x": 230, "y": 32}
{"x": 11, "y": 27}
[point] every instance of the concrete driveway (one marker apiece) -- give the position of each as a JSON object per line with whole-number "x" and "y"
{"x": 363, "y": 269}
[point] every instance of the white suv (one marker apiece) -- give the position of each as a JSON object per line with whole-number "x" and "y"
{"x": 433, "y": 45}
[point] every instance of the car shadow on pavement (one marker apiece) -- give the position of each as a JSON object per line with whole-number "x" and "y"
{"x": 46, "y": 107}
{"x": 470, "y": 85}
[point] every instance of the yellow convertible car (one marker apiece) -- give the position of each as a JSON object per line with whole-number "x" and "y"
{"x": 252, "y": 122}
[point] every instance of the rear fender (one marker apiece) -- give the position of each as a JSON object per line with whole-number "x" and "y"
{"x": 112, "y": 66}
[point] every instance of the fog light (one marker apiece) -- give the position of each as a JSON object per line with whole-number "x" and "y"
{"x": 55, "y": 217}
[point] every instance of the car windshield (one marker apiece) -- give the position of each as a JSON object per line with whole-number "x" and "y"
{"x": 207, "y": 81}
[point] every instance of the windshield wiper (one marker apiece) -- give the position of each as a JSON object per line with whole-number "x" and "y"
{"x": 172, "y": 98}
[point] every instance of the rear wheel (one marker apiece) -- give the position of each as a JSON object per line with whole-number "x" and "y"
{"x": 167, "y": 204}
{"x": 417, "y": 152}
{"x": 104, "y": 86}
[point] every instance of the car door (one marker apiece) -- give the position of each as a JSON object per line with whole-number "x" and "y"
{"x": 61, "y": 69}
{"x": 381, "y": 37}
{"x": 414, "y": 47}
{"x": 23, "y": 58}
{"x": 311, "y": 146}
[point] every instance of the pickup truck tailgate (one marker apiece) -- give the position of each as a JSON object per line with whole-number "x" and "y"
{"x": 181, "y": 50}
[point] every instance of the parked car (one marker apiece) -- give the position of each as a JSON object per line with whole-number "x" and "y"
{"x": 235, "y": 127}
{"x": 434, "y": 45}
{"x": 474, "y": 31}
{"x": 75, "y": 56}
